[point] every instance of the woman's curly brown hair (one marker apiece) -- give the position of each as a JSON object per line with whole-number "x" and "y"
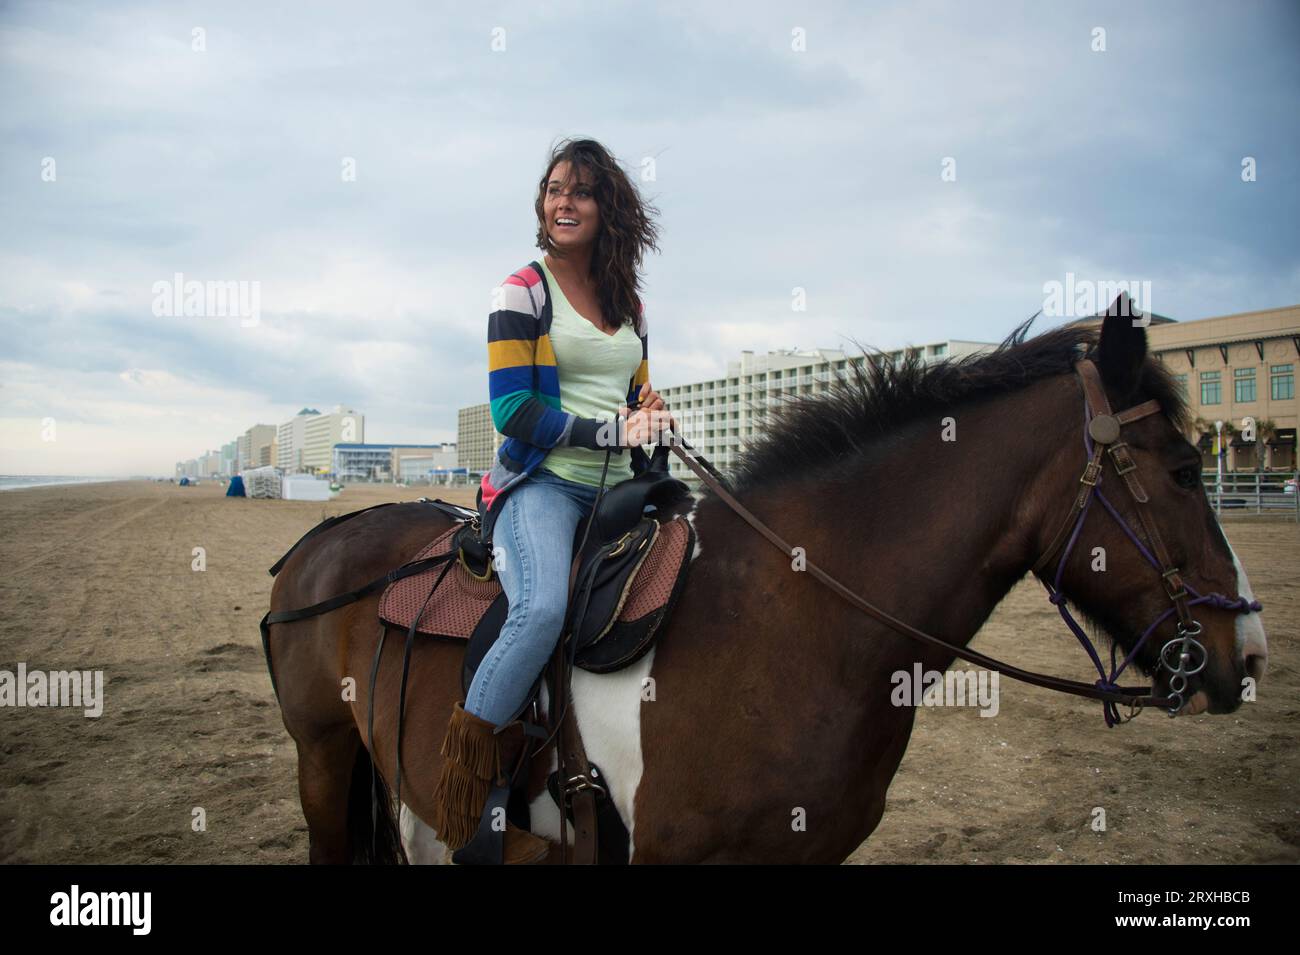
{"x": 626, "y": 227}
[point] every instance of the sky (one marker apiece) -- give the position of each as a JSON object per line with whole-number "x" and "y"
{"x": 826, "y": 175}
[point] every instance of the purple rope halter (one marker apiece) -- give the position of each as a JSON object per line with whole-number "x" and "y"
{"x": 1110, "y": 709}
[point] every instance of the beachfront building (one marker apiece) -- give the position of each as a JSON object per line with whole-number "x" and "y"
{"x": 412, "y": 463}
{"x": 477, "y": 439}
{"x": 291, "y": 442}
{"x": 321, "y": 432}
{"x": 1233, "y": 368}
{"x": 255, "y": 448}
{"x": 420, "y": 463}
{"x": 720, "y": 416}
{"x": 361, "y": 462}
{"x": 206, "y": 465}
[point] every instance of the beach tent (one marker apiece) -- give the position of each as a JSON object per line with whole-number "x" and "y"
{"x": 236, "y": 488}
{"x": 185, "y": 482}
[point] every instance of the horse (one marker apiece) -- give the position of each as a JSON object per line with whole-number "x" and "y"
{"x": 761, "y": 728}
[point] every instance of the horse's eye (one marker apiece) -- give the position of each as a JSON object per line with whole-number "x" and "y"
{"x": 1188, "y": 477}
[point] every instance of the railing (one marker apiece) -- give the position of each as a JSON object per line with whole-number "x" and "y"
{"x": 1245, "y": 492}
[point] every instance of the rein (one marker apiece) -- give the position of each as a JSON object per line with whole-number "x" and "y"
{"x": 1183, "y": 655}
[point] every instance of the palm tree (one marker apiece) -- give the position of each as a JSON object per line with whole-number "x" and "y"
{"x": 1201, "y": 429}
{"x": 1264, "y": 430}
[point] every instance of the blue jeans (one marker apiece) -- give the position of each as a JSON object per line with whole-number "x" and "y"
{"x": 533, "y": 538}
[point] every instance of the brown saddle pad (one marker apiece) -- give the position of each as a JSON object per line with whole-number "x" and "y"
{"x": 460, "y": 601}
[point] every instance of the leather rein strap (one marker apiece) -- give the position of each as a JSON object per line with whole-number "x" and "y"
{"x": 1104, "y": 429}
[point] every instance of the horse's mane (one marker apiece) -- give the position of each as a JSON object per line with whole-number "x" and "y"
{"x": 876, "y": 397}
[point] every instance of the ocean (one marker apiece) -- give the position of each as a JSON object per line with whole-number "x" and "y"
{"x": 16, "y": 482}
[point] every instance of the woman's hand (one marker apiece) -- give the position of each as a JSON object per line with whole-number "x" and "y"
{"x": 646, "y": 427}
{"x": 649, "y": 420}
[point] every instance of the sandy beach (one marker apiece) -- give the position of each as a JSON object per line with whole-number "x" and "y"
{"x": 101, "y": 577}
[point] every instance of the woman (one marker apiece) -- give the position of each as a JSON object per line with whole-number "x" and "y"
{"x": 566, "y": 345}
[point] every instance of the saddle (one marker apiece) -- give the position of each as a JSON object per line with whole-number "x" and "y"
{"x": 622, "y": 584}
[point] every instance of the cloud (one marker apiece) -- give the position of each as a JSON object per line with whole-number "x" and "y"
{"x": 792, "y": 147}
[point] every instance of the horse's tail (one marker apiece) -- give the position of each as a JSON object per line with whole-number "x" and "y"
{"x": 372, "y": 827}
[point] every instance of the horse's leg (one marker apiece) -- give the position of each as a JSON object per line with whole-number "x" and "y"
{"x": 325, "y": 768}
{"x": 335, "y": 774}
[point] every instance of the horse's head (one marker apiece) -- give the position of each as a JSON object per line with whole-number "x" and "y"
{"x": 1117, "y": 587}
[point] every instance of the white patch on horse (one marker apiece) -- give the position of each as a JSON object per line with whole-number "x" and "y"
{"x": 608, "y": 706}
{"x": 690, "y": 516}
{"x": 419, "y": 840}
{"x": 1251, "y": 641}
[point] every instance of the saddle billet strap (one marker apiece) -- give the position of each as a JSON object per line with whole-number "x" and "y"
{"x": 370, "y": 744}
{"x": 558, "y": 714}
{"x": 1123, "y": 695}
{"x": 613, "y": 840}
{"x": 574, "y": 780}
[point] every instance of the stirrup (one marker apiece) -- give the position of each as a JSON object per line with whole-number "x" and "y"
{"x": 488, "y": 847}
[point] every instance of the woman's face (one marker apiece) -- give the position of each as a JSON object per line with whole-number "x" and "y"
{"x": 572, "y": 218}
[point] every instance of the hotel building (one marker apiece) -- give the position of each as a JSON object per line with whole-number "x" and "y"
{"x": 1238, "y": 369}
{"x": 721, "y": 416}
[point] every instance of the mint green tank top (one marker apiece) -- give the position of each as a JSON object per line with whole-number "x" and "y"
{"x": 594, "y": 370}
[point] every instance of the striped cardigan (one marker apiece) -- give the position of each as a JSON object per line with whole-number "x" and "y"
{"x": 524, "y": 389}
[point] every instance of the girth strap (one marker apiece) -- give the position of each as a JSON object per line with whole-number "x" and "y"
{"x": 576, "y": 788}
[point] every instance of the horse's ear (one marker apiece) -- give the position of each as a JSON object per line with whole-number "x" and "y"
{"x": 1123, "y": 345}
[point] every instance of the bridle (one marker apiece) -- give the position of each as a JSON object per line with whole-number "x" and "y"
{"x": 1183, "y": 656}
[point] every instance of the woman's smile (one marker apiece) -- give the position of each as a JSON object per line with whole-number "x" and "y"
{"x": 573, "y": 215}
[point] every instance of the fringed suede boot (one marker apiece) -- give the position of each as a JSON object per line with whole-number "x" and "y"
{"x": 475, "y": 758}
